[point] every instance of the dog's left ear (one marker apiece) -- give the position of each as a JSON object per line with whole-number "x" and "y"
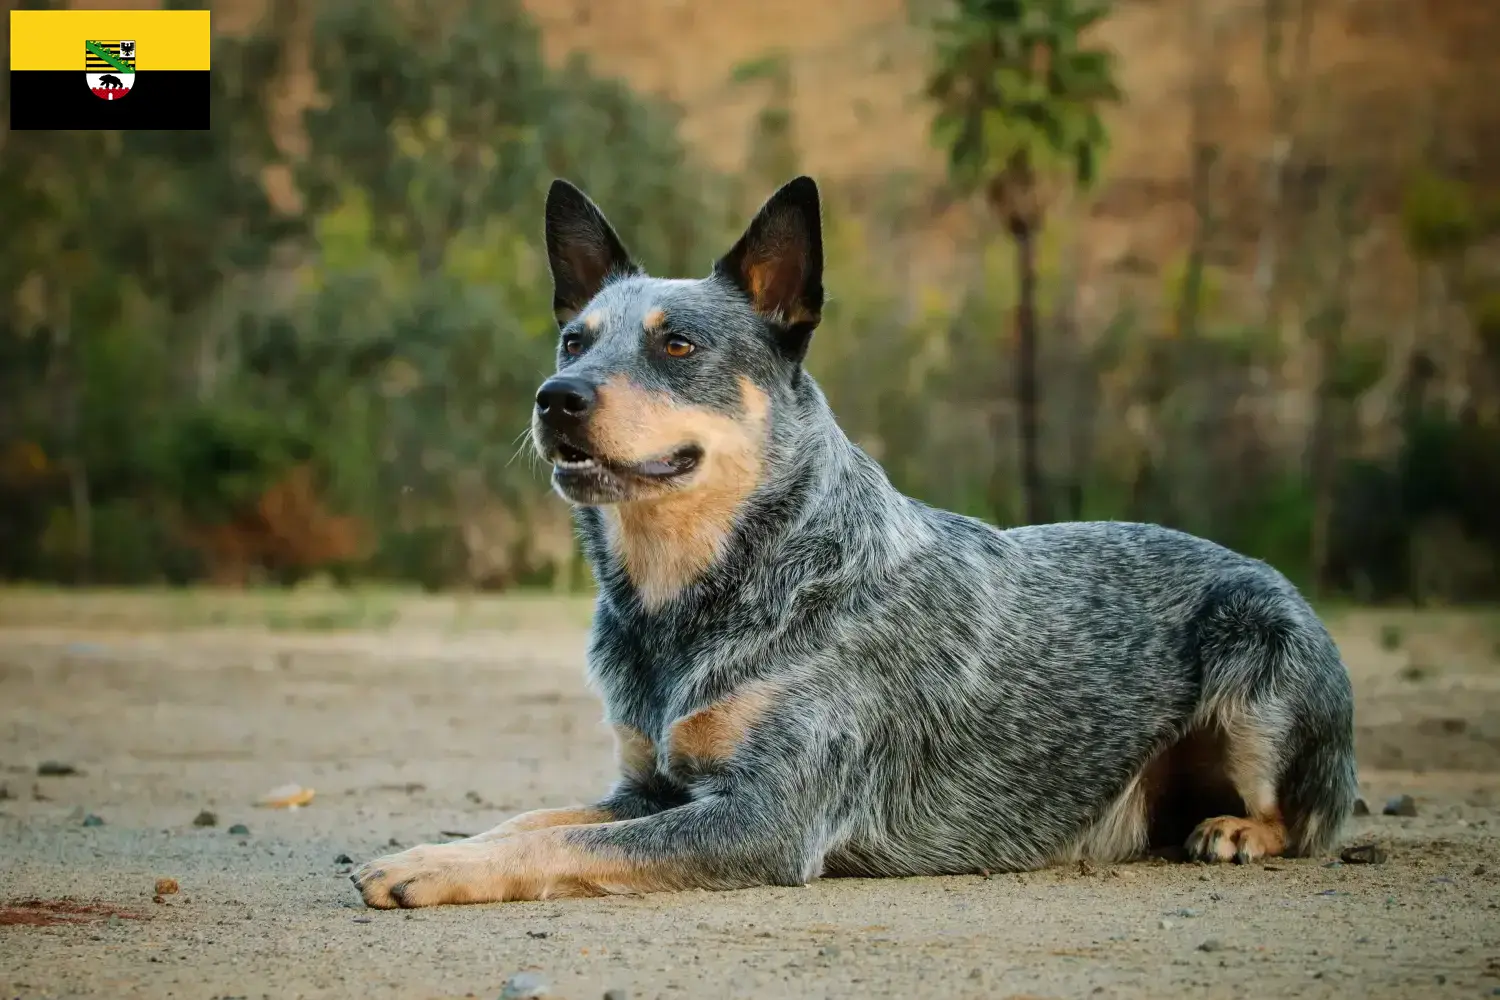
{"x": 778, "y": 264}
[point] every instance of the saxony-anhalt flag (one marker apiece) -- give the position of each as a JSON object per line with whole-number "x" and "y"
{"x": 103, "y": 69}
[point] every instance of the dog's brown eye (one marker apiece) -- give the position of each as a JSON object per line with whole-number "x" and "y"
{"x": 678, "y": 348}
{"x": 572, "y": 346}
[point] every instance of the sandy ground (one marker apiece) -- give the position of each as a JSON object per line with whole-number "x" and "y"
{"x": 447, "y": 716}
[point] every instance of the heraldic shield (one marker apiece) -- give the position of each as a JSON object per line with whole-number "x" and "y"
{"x": 110, "y": 68}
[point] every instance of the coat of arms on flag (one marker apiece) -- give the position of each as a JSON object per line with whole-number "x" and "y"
{"x": 110, "y": 68}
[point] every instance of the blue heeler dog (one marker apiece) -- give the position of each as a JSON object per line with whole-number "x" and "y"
{"x": 811, "y": 674}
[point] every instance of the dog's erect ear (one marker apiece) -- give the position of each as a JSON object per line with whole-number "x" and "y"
{"x": 778, "y": 264}
{"x": 582, "y": 249}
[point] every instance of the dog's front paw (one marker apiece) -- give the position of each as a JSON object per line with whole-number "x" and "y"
{"x": 426, "y": 875}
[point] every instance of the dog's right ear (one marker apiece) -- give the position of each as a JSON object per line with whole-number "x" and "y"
{"x": 582, "y": 249}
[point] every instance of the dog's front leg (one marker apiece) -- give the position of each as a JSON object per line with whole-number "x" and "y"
{"x": 541, "y": 819}
{"x": 717, "y": 842}
{"x": 638, "y": 792}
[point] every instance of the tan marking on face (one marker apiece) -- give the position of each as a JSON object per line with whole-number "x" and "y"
{"x": 653, "y": 320}
{"x": 540, "y": 819}
{"x": 634, "y": 752}
{"x": 593, "y": 321}
{"x": 667, "y": 541}
{"x": 713, "y": 733}
{"x": 537, "y": 864}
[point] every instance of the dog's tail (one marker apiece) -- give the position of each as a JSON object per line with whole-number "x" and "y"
{"x": 1275, "y": 686}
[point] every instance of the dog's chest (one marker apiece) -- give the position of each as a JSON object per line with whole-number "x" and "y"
{"x": 688, "y": 743}
{"x": 670, "y": 692}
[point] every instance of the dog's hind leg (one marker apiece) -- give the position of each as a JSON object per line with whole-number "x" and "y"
{"x": 1250, "y": 763}
{"x": 1278, "y": 696}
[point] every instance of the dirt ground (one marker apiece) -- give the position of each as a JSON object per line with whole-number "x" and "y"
{"x": 415, "y": 719}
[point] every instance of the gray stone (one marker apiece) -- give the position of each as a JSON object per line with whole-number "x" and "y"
{"x": 524, "y": 986}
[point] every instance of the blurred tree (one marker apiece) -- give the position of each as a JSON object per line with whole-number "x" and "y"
{"x": 426, "y": 323}
{"x": 1019, "y": 95}
{"x": 177, "y": 352}
{"x": 120, "y": 244}
{"x": 772, "y": 157}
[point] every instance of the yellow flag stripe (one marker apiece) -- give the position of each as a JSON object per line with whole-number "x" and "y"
{"x": 164, "y": 39}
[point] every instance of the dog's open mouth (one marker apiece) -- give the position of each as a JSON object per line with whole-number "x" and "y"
{"x": 569, "y": 459}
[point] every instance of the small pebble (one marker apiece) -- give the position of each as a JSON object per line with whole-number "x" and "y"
{"x": 539, "y": 934}
{"x": 1212, "y": 944}
{"x": 1364, "y": 854}
{"x": 1401, "y": 805}
{"x": 343, "y": 859}
{"x": 1185, "y": 912}
{"x": 616, "y": 995}
{"x": 523, "y": 986}
{"x": 1165, "y": 925}
{"x": 393, "y": 842}
{"x": 829, "y": 951}
{"x": 1480, "y": 869}
{"x": 362, "y": 920}
{"x": 1361, "y": 807}
{"x": 5, "y": 793}
{"x": 239, "y": 830}
{"x": 92, "y": 820}
{"x": 976, "y": 973}
{"x": 166, "y": 886}
{"x": 56, "y": 769}
{"x": 206, "y": 818}
{"x": 292, "y": 796}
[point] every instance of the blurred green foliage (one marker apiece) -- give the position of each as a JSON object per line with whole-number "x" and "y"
{"x": 196, "y": 383}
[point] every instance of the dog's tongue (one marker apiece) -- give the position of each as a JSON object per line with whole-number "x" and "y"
{"x": 658, "y": 467}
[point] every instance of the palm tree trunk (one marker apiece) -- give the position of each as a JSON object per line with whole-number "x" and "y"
{"x": 1026, "y": 376}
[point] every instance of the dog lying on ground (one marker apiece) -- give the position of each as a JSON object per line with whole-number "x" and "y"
{"x": 810, "y": 674}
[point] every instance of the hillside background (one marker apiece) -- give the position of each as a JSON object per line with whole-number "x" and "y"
{"x": 1275, "y": 320}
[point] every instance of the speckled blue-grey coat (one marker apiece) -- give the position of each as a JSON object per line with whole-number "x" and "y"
{"x": 811, "y": 674}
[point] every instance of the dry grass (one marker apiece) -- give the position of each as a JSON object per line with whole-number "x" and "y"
{"x": 307, "y": 609}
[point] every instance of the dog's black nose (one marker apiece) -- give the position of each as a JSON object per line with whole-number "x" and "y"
{"x": 564, "y": 400}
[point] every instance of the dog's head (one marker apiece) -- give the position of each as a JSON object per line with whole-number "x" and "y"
{"x": 664, "y": 387}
